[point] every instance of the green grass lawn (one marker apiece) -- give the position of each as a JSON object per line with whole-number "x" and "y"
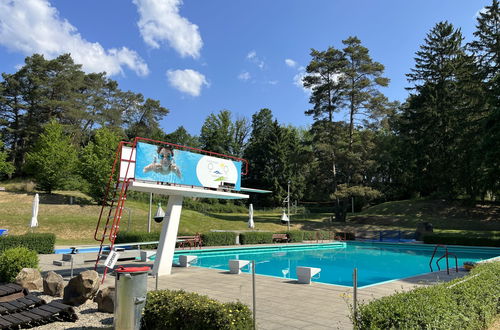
{"x": 75, "y": 224}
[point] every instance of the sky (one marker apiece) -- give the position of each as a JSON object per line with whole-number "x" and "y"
{"x": 202, "y": 56}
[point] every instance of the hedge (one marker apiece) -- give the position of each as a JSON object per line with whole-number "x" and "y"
{"x": 218, "y": 238}
{"x": 167, "y": 309}
{"x": 296, "y": 236}
{"x": 39, "y": 242}
{"x": 462, "y": 239}
{"x": 256, "y": 237}
{"x": 465, "y": 303}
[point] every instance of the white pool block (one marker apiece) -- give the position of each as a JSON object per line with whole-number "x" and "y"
{"x": 236, "y": 265}
{"x": 186, "y": 260}
{"x": 304, "y": 274}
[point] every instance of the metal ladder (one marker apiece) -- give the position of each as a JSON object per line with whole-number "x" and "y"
{"x": 112, "y": 207}
{"x": 445, "y": 255}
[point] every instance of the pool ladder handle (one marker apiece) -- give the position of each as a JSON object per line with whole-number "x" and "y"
{"x": 445, "y": 255}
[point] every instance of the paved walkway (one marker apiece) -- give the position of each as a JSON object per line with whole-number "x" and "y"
{"x": 281, "y": 303}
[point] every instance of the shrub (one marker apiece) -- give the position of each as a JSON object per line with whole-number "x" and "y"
{"x": 39, "y": 242}
{"x": 13, "y": 260}
{"x": 296, "y": 236}
{"x": 466, "y": 303}
{"x": 138, "y": 236}
{"x": 256, "y": 237}
{"x": 167, "y": 309}
{"x": 462, "y": 239}
{"x": 218, "y": 238}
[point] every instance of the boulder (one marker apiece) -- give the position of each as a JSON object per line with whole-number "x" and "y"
{"x": 53, "y": 284}
{"x": 30, "y": 278}
{"x": 105, "y": 300}
{"x": 82, "y": 287}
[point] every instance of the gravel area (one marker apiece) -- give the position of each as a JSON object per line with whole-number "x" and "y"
{"x": 88, "y": 317}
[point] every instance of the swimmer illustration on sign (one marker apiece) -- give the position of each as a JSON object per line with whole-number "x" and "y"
{"x": 166, "y": 165}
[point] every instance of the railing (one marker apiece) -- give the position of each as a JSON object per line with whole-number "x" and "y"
{"x": 445, "y": 255}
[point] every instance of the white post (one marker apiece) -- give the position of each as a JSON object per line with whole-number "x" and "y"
{"x": 168, "y": 237}
{"x": 149, "y": 213}
{"x": 289, "y": 215}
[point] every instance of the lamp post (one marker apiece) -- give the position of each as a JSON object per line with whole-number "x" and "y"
{"x": 288, "y": 200}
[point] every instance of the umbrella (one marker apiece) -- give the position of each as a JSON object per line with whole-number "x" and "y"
{"x": 250, "y": 217}
{"x": 34, "y": 212}
{"x": 284, "y": 217}
{"x": 160, "y": 214}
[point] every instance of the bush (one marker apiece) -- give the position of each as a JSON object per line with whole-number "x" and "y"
{"x": 182, "y": 310}
{"x": 466, "y": 303}
{"x": 38, "y": 242}
{"x": 138, "y": 236}
{"x": 296, "y": 236}
{"x": 462, "y": 239}
{"x": 218, "y": 238}
{"x": 256, "y": 237}
{"x": 13, "y": 260}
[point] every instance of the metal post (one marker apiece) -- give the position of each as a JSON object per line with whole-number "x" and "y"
{"x": 71, "y": 274}
{"x": 156, "y": 282}
{"x": 149, "y": 213}
{"x": 288, "y": 200}
{"x": 253, "y": 294}
{"x": 352, "y": 204}
{"x": 355, "y": 293}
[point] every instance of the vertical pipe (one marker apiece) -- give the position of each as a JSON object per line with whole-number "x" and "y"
{"x": 289, "y": 215}
{"x": 352, "y": 204}
{"x": 253, "y": 296}
{"x": 447, "y": 266}
{"x": 156, "y": 282}
{"x": 149, "y": 213}
{"x": 355, "y": 293}
{"x": 71, "y": 274}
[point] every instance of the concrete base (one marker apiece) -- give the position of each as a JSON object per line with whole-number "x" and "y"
{"x": 236, "y": 265}
{"x": 304, "y": 274}
{"x": 146, "y": 254}
{"x": 186, "y": 260}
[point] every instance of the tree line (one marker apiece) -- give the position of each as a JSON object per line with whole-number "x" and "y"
{"x": 62, "y": 125}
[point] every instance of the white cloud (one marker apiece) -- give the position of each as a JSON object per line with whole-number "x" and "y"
{"x": 252, "y": 57}
{"x": 244, "y": 76}
{"x": 272, "y": 82}
{"x": 187, "y": 81}
{"x": 160, "y": 21}
{"x": 297, "y": 79}
{"x": 34, "y": 26}
{"x": 291, "y": 63}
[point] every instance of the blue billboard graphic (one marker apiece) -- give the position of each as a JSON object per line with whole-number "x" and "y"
{"x": 166, "y": 164}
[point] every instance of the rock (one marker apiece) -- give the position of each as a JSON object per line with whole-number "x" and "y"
{"x": 53, "y": 284}
{"x": 82, "y": 287}
{"x": 30, "y": 278}
{"x": 105, "y": 300}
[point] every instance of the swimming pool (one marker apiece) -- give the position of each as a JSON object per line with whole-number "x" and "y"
{"x": 376, "y": 262}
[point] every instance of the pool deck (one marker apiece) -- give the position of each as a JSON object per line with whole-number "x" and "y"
{"x": 281, "y": 303}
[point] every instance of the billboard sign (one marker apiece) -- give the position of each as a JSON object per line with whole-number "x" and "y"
{"x": 166, "y": 164}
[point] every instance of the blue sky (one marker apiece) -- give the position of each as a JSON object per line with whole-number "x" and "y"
{"x": 202, "y": 56}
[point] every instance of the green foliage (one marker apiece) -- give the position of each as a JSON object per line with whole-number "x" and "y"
{"x": 295, "y": 236}
{"x": 38, "y": 242}
{"x": 96, "y": 162}
{"x": 138, "y": 236}
{"x": 220, "y": 134}
{"x": 218, "y": 238}
{"x": 182, "y": 310}
{"x": 53, "y": 159}
{"x": 467, "y": 303}
{"x": 214, "y": 206}
{"x": 255, "y": 237}
{"x": 462, "y": 239}
{"x": 6, "y": 167}
{"x": 13, "y": 260}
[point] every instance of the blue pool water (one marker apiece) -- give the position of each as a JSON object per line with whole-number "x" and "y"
{"x": 376, "y": 262}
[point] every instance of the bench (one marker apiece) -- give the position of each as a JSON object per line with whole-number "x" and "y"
{"x": 191, "y": 241}
{"x": 280, "y": 238}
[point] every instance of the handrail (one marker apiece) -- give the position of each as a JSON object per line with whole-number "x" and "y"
{"x": 445, "y": 255}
